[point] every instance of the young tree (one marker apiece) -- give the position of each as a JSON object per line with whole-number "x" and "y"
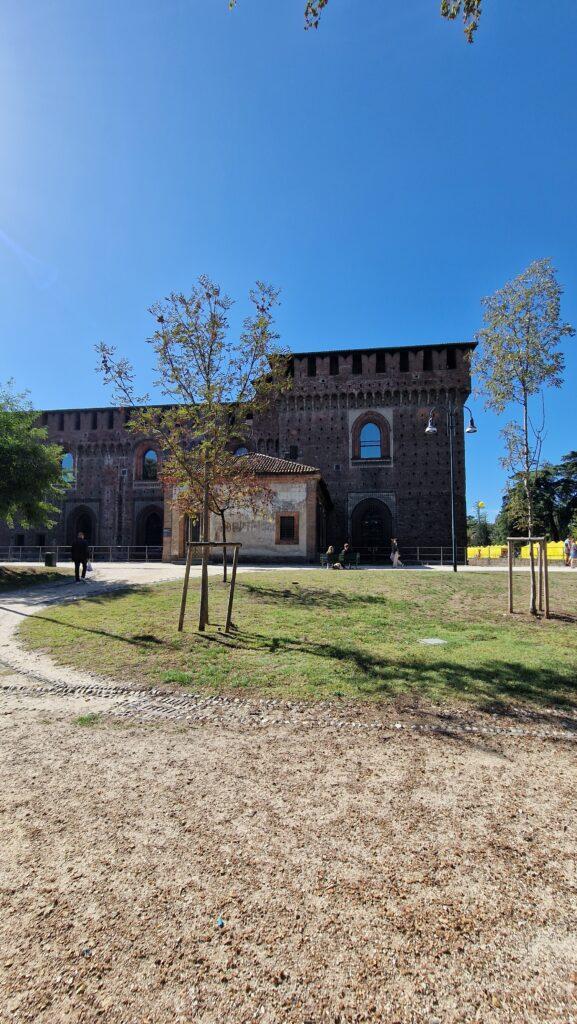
{"x": 31, "y": 476}
{"x": 214, "y": 383}
{"x": 518, "y": 358}
{"x": 237, "y": 487}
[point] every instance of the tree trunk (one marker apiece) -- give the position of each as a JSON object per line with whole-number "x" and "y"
{"x": 203, "y": 612}
{"x": 224, "y": 565}
{"x": 529, "y": 500}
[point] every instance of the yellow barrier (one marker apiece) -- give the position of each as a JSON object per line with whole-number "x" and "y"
{"x": 490, "y": 551}
{"x": 554, "y": 550}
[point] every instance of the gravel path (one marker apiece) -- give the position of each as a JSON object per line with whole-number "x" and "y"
{"x": 393, "y": 866}
{"x": 382, "y": 877}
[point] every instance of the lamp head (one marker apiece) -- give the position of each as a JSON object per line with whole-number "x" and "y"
{"x": 471, "y": 429}
{"x": 431, "y": 428}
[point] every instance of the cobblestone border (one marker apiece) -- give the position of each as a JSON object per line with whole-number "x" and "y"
{"x": 152, "y": 705}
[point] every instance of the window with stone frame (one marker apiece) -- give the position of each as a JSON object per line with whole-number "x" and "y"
{"x": 371, "y": 438}
{"x": 287, "y": 528}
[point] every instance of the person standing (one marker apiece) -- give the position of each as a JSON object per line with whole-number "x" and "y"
{"x": 574, "y": 553}
{"x": 567, "y": 550}
{"x": 79, "y": 555}
{"x": 395, "y": 553}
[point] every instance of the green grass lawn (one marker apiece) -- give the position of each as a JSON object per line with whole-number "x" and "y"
{"x": 11, "y": 579}
{"x": 327, "y": 635}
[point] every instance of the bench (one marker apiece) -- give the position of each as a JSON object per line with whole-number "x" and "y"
{"x": 354, "y": 561}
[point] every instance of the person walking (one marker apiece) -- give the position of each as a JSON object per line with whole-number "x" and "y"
{"x": 574, "y": 554}
{"x": 567, "y": 550}
{"x": 395, "y": 553}
{"x": 79, "y": 555}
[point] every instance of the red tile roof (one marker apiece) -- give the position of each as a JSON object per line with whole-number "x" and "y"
{"x": 271, "y": 464}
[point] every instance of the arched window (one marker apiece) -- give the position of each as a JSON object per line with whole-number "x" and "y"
{"x": 370, "y": 442}
{"x": 241, "y": 450}
{"x": 150, "y": 465}
{"x": 371, "y": 437}
{"x": 67, "y": 463}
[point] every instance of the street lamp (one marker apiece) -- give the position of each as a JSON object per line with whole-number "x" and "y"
{"x": 450, "y": 409}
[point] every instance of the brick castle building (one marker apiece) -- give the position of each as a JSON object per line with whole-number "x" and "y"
{"x": 358, "y": 416}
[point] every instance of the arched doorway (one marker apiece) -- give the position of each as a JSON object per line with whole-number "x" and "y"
{"x": 153, "y": 529}
{"x": 81, "y": 520}
{"x": 149, "y": 527}
{"x": 371, "y": 525}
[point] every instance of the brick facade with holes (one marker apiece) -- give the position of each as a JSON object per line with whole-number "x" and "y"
{"x": 358, "y": 417}
{"x": 404, "y": 489}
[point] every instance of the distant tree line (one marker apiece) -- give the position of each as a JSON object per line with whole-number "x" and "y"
{"x": 554, "y": 489}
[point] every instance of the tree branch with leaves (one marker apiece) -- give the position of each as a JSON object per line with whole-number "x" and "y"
{"x": 468, "y": 10}
{"x": 236, "y": 487}
{"x": 213, "y": 381}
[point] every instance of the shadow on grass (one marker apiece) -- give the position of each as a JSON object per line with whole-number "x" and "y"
{"x": 491, "y": 684}
{"x": 560, "y": 617}
{"x": 303, "y": 597}
{"x": 115, "y": 592}
{"x": 496, "y": 681}
{"x": 76, "y": 593}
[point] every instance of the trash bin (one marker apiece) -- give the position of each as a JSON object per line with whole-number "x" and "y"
{"x": 50, "y": 559}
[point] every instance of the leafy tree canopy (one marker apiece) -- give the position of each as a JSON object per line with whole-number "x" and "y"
{"x": 215, "y": 383}
{"x": 31, "y": 477}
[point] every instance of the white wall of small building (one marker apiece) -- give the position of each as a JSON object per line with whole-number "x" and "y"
{"x": 256, "y": 531}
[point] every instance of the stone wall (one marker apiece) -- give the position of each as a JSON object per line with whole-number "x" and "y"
{"x": 259, "y": 531}
{"x": 316, "y": 419}
{"x": 314, "y": 424}
{"x": 107, "y": 492}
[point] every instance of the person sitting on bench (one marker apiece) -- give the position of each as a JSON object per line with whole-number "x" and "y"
{"x": 330, "y": 556}
{"x": 346, "y": 556}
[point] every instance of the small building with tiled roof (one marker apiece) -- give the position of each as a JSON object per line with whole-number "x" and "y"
{"x": 265, "y": 464}
{"x": 287, "y": 525}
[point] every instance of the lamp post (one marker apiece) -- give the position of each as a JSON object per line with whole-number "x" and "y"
{"x": 450, "y": 410}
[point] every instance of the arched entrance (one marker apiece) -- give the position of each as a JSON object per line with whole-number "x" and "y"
{"x": 81, "y": 520}
{"x": 371, "y": 525}
{"x": 153, "y": 529}
{"x": 149, "y": 528}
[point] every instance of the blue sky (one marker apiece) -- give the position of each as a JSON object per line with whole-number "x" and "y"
{"x": 381, "y": 172}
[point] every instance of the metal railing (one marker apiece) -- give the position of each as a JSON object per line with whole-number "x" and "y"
{"x": 417, "y": 555}
{"x": 98, "y": 552}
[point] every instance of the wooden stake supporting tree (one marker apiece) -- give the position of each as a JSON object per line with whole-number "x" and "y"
{"x": 543, "y": 565}
{"x": 206, "y": 549}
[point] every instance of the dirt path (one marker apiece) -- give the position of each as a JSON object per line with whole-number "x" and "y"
{"x": 384, "y": 877}
{"x": 404, "y": 867}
